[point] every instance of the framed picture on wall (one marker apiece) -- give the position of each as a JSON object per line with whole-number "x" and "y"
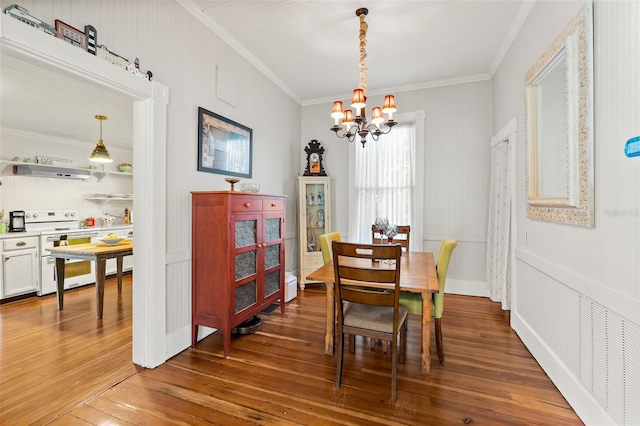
{"x": 224, "y": 146}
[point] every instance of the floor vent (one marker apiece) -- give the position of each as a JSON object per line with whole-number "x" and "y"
{"x": 609, "y": 361}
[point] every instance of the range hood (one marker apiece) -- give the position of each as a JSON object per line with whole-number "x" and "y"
{"x": 39, "y": 170}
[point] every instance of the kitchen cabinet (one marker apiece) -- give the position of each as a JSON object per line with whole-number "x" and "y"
{"x": 314, "y": 219}
{"x": 19, "y": 269}
{"x": 238, "y": 253}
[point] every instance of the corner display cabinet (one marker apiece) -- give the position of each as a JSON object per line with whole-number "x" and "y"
{"x": 314, "y": 218}
{"x": 237, "y": 258}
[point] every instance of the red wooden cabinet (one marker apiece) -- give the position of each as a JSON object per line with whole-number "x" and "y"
{"x": 237, "y": 256}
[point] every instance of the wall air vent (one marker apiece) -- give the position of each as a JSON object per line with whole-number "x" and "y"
{"x": 609, "y": 361}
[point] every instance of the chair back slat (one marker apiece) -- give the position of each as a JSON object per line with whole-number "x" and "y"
{"x": 368, "y": 275}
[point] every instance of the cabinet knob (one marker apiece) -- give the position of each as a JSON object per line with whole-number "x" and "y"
{"x": 247, "y": 204}
{"x": 21, "y": 243}
{"x": 273, "y": 204}
{"x": 259, "y": 245}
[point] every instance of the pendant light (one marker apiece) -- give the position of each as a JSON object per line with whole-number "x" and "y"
{"x": 100, "y": 153}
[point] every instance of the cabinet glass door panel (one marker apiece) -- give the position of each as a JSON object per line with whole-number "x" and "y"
{"x": 315, "y": 214}
{"x": 246, "y": 295}
{"x": 246, "y": 264}
{"x": 246, "y": 233}
{"x": 272, "y": 229}
{"x": 271, "y": 283}
{"x": 272, "y": 256}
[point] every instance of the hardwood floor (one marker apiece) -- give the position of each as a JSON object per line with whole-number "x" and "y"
{"x": 67, "y": 368}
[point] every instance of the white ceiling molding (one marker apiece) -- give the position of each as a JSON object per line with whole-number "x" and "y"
{"x": 511, "y": 36}
{"x": 408, "y": 88}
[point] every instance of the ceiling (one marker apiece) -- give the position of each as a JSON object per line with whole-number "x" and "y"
{"x": 308, "y": 48}
{"x": 311, "y": 48}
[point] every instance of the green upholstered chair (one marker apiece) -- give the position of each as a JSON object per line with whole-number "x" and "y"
{"x": 413, "y": 301}
{"x": 325, "y": 245}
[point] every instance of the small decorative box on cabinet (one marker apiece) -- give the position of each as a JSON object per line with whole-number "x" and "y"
{"x": 314, "y": 218}
{"x": 237, "y": 258}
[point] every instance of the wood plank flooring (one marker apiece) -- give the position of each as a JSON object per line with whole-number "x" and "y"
{"x": 67, "y": 368}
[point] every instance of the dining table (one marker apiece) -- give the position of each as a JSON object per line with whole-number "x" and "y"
{"x": 417, "y": 275}
{"x": 97, "y": 252}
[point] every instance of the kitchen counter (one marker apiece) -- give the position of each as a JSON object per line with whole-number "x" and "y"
{"x": 19, "y": 235}
{"x": 107, "y": 228}
{"x": 90, "y": 228}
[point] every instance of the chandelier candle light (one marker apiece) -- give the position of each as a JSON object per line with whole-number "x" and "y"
{"x": 358, "y": 125}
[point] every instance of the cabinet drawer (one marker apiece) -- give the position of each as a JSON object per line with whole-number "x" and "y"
{"x": 246, "y": 204}
{"x": 273, "y": 205}
{"x": 19, "y": 243}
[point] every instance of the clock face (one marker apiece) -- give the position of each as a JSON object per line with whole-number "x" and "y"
{"x": 314, "y": 157}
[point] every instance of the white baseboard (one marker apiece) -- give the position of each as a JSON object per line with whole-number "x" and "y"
{"x": 467, "y": 288}
{"x": 180, "y": 339}
{"x": 582, "y": 402}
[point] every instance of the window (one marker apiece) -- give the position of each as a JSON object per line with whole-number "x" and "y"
{"x": 386, "y": 181}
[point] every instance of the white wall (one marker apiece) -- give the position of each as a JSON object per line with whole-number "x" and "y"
{"x": 183, "y": 54}
{"x": 456, "y": 171}
{"x": 561, "y": 265}
{"x": 34, "y": 193}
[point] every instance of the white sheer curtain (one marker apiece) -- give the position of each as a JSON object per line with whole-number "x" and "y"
{"x": 499, "y": 235}
{"x": 385, "y": 180}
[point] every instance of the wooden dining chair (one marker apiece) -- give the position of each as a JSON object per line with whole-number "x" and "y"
{"x": 364, "y": 310}
{"x": 403, "y": 238}
{"x": 325, "y": 245}
{"x": 413, "y": 301}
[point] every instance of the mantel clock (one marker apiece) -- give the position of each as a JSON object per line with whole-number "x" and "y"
{"x": 314, "y": 159}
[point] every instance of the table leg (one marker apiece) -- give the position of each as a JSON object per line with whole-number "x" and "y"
{"x": 425, "y": 368}
{"x": 60, "y": 281}
{"x": 330, "y": 323}
{"x": 100, "y": 278}
{"x": 119, "y": 269}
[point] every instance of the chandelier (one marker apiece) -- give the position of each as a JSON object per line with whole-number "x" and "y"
{"x": 358, "y": 124}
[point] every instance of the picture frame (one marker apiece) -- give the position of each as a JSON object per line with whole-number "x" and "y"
{"x": 224, "y": 146}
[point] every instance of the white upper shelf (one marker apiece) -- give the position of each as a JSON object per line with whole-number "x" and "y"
{"x": 25, "y": 43}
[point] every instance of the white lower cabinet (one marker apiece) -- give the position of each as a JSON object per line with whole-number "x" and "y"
{"x": 19, "y": 268}
{"x": 127, "y": 261}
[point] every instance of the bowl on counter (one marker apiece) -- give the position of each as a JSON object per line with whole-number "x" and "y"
{"x": 106, "y": 221}
{"x": 125, "y": 169}
{"x": 112, "y": 240}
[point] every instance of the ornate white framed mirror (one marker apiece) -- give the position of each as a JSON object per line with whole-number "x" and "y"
{"x": 559, "y": 115}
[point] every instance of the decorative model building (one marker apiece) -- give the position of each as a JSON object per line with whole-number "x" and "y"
{"x": 22, "y": 14}
{"x": 71, "y": 35}
{"x": 92, "y": 39}
{"x": 116, "y": 60}
{"x": 134, "y": 68}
